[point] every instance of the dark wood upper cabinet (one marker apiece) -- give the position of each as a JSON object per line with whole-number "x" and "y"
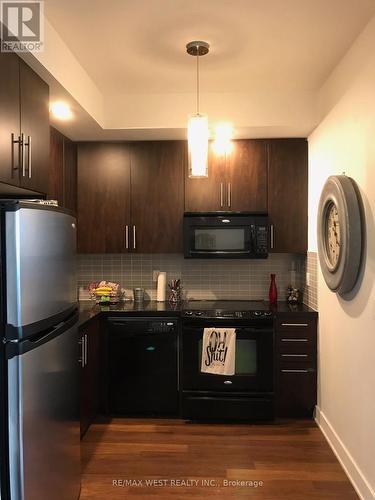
{"x": 70, "y": 175}
{"x": 157, "y": 196}
{"x": 62, "y": 184}
{"x": 103, "y": 197}
{"x": 9, "y": 117}
{"x": 34, "y": 99}
{"x": 56, "y": 169}
{"x": 237, "y": 181}
{"x": 131, "y": 196}
{"x": 206, "y": 194}
{"x": 288, "y": 194}
{"x": 24, "y": 100}
{"x": 246, "y": 179}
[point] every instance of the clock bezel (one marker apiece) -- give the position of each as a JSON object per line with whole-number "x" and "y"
{"x": 342, "y": 277}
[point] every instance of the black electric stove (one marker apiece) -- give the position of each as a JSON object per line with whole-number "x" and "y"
{"x": 247, "y": 394}
{"x": 228, "y": 309}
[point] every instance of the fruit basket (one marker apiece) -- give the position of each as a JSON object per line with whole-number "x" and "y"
{"x": 106, "y": 292}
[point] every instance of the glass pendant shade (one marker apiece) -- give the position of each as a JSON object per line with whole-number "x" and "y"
{"x": 198, "y": 145}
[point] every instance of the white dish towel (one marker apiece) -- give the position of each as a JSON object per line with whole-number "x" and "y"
{"x": 219, "y": 351}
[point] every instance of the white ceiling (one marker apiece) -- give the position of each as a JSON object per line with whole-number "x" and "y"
{"x": 134, "y": 49}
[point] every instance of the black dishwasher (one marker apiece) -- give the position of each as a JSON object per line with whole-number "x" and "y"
{"x": 143, "y": 366}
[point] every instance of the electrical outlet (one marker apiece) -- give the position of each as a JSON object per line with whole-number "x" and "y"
{"x": 308, "y": 279}
{"x": 155, "y": 275}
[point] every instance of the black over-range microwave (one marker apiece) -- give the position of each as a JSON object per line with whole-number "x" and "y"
{"x": 226, "y": 235}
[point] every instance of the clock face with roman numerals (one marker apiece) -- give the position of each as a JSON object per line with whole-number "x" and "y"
{"x": 332, "y": 234}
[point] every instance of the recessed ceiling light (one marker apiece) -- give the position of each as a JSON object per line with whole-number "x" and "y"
{"x": 222, "y": 144}
{"x": 61, "y": 110}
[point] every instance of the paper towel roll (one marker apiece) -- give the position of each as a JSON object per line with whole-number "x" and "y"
{"x": 162, "y": 282}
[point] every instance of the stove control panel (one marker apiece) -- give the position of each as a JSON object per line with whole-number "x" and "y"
{"x": 228, "y": 314}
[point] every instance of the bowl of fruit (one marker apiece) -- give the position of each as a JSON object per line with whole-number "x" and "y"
{"x": 105, "y": 292}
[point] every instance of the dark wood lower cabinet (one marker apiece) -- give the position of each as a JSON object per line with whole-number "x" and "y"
{"x": 295, "y": 373}
{"x": 296, "y": 365}
{"x": 92, "y": 362}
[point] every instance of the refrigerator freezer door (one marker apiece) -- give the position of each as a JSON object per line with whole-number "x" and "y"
{"x": 44, "y": 442}
{"x": 40, "y": 269}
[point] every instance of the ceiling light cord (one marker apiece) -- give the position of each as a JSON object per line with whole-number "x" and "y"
{"x": 197, "y": 80}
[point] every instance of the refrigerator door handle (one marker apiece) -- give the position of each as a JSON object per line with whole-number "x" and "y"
{"x": 17, "y": 348}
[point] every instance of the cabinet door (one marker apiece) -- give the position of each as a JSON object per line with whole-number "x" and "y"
{"x": 287, "y": 194}
{"x": 207, "y": 194}
{"x": 157, "y": 196}
{"x": 103, "y": 197}
{"x": 34, "y": 99}
{"x": 246, "y": 186}
{"x": 70, "y": 175}
{"x": 9, "y": 118}
{"x": 91, "y": 381}
{"x": 296, "y": 365}
{"x": 56, "y": 167}
{"x": 63, "y": 170}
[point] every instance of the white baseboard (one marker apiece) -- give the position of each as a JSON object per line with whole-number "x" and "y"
{"x": 354, "y": 473}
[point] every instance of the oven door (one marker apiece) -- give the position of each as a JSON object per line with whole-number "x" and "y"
{"x": 253, "y": 362}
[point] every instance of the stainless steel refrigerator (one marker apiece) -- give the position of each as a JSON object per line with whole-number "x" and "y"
{"x": 39, "y": 372}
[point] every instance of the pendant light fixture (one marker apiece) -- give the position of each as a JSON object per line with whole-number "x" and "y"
{"x": 198, "y": 123}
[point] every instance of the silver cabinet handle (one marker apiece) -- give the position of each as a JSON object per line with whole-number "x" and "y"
{"x": 228, "y": 382}
{"x": 134, "y": 238}
{"x": 294, "y": 340}
{"x": 19, "y": 142}
{"x": 127, "y": 237}
{"x": 272, "y": 235}
{"x": 23, "y": 156}
{"x": 221, "y": 194}
{"x": 229, "y": 194}
{"x": 82, "y": 358}
{"x": 294, "y": 324}
{"x": 295, "y": 371}
{"x": 294, "y": 355}
{"x": 85, "y": 350}
{"x": 28, "y": 144}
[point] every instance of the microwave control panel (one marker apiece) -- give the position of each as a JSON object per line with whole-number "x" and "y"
{"x": 260, "y": 238}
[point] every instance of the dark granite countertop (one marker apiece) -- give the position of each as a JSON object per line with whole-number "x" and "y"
{"x": 89, "y": 311}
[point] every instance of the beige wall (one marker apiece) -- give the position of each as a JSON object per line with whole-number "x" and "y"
{"x": 345, "y": 141}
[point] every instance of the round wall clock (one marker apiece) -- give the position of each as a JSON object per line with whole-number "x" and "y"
{"x": 340, "y": 233}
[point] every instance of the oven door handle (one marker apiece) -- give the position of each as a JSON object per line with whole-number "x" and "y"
{"x": 198, "y": 330}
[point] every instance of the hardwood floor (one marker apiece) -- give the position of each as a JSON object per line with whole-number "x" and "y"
{"x": 290, "y": 460}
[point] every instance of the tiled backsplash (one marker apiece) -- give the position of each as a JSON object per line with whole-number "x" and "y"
{"x": 201, "y": 279}
{"x": 311, "y": 290}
